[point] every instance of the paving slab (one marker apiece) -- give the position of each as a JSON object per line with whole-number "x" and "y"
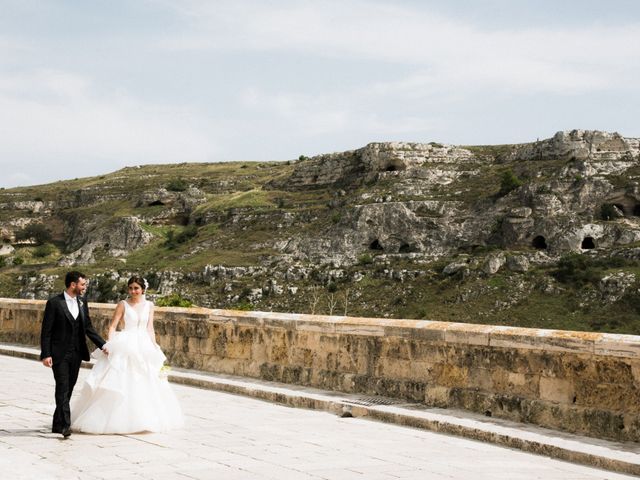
{"x": 230, "y": 436}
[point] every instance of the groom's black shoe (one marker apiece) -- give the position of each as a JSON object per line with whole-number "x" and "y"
{"x": 66, "y": 432}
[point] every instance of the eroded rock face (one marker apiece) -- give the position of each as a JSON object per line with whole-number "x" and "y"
{"x": 175, "y": 204}
{"x": 35, "y": 206}
{"x": 385, "y": 228}
{"x": 38, "y": 287}
{"x": 557, "y": 215}
{"x": 455, "y": 267}
{"x": 592, "y": 145}
{"x": 375, "y": 160}
{"x": 517, "y": 263}
{"x": 169, "y": 282}
{"x": 116, "y": 239}
{"x": 614, "y": 286}
{"x": 493, "y": 263}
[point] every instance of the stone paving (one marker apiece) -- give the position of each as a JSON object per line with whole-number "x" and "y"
{"x": 233, "y": 437}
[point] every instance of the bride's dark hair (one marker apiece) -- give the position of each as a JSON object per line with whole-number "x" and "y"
{"x": 139, "y": 280}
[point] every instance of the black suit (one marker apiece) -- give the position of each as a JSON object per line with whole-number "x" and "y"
{"x": 63, "y": 339}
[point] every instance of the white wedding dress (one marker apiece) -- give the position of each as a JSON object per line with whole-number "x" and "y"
{"x": 124, "y": 392}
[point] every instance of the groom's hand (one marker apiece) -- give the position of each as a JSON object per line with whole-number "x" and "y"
{"x": 47, "y": 362}
{"x": 105, "y": 350}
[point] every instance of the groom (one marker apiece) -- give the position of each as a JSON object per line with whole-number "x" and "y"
{"x": 63, "y": 347}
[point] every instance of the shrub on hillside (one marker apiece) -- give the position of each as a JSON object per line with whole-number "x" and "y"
{"x": 174, "y": 239}
{"x": 44, "y": 250}
{"x": 245, "y": 306}
{"x": 508, "y": 182}
{"x": 609, "y": 211}
{"x": 577, "y": 269}
{"x": 177, "y": 185}
{"x": 36, "y": 232}
{"x": 365, "y": 259}
{"x": 107, "y": 290}
{"x": 173, "y": 300}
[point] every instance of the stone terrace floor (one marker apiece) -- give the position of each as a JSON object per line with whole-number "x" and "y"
{"x": 233, "y": 437}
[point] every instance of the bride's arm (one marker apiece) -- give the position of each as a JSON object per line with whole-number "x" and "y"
{"x": 117, "y": 316}
{"x": 150, "y": 329}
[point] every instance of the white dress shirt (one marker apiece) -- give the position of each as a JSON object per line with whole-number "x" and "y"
{"x": 72, "y": 303}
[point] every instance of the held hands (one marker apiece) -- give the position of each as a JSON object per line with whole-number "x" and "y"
{"x": 47, "y": 362}
{"x": 105, "y": 350}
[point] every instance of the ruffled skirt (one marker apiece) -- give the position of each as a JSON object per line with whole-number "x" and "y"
{"x": 124, "y": 392}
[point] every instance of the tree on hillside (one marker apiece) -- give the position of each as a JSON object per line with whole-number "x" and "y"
{"x": 508, "y": 182}
{"x": 36, "y": 232}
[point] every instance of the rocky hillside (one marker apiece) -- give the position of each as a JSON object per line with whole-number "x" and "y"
{"x": 540, "y": 234}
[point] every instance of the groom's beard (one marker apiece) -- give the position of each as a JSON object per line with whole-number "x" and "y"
{"x": 79, "y": 291}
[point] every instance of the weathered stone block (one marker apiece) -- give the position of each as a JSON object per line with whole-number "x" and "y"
{"x": 618, "y": 345}
{"x": 396, "y": 369}
{"x": 364, "y": 329}
{"x": 316, "y": 327}
{"x": 480, "y": 378}
{"x": 548, "y": 340}
{"x": 423, "y": 351}
{"x": 467, "y": 334}
{"x": 450, "y": 375}
{"x": 436, "y": 396}
{"x": 556, "y": 390}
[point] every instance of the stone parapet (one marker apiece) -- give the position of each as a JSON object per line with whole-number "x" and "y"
{"x": 586, "y": 383}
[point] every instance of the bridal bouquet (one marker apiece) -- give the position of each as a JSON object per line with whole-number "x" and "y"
{"x": 164, "y": 372}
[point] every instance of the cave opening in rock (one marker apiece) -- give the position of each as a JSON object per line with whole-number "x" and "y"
{"x": 375, "y": 245}
{"x": 405, "y": 248}
{"x": 539, "y": 242}
{"x": 156, "y": 203}
{"x": 588, "y": 243}
{"x": 391, "y": 168}
{"x": 636, "y": 210}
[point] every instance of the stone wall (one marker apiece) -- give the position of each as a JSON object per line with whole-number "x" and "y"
{"x": 587, "y": 383}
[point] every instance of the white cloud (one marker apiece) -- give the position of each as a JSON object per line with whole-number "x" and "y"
{"x": 311, "y": 115}
{"x": 13, "y": 50}
{"x": 56, "y": 114}
{"x": 438, "y": 62}
{"x": 531, "y": 60}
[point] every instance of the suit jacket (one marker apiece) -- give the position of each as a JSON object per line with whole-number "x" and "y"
{"x": 57, "y": 330}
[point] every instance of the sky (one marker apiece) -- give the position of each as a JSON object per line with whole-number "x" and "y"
{"x": 88, "y": 87}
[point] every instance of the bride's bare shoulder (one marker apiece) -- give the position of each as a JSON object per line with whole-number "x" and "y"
{"x": 119, "y": 306}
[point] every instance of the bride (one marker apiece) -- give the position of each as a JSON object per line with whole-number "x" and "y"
{"x": 124, "y": 393}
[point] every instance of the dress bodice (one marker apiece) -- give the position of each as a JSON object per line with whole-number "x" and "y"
{"x": 136, "y": 317}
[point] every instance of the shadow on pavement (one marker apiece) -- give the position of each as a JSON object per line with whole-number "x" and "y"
{"x": 24, "y": 432}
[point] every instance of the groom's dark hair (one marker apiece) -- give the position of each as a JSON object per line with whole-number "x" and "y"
{"x": 73, "y": 277}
